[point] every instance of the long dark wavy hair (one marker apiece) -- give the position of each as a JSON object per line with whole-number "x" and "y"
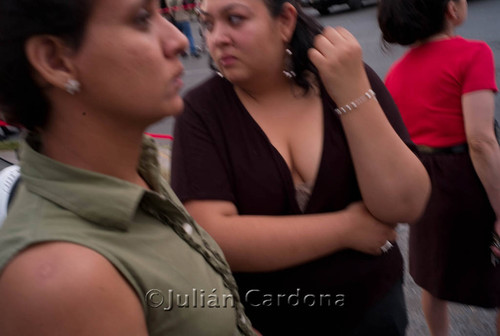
{"x": 302, "y": 40}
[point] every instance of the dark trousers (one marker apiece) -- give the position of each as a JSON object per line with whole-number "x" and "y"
{"x": 388, "y": 317}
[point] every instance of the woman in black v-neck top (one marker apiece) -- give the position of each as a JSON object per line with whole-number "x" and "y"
{"x": 316, "y": 269}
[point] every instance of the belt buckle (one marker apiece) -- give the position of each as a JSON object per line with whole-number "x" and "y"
{"x": 425, "y": 149}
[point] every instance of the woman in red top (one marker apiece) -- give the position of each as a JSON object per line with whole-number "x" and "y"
{"x": 444, "y": 88}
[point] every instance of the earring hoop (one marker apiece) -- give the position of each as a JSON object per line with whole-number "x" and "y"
{"x": 72, "y": 86}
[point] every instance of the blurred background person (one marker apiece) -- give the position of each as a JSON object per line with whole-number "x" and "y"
{"x": 444, "y": 87}
{"x": 181, "y": 11}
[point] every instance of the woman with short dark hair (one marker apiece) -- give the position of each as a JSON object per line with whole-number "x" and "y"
{"x": 444, "y": 87}
{"x": 95, "y": 242}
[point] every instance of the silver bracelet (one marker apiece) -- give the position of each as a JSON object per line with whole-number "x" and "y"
{"x": 368, "y": 95}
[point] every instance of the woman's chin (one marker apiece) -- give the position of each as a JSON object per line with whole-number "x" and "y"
{"x": 174, "y": 107}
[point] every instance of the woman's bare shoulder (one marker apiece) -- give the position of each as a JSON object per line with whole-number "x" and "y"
{"x": 66, "y": 288}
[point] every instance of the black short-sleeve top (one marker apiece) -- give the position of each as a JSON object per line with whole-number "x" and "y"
{"x": 221, "y": 153}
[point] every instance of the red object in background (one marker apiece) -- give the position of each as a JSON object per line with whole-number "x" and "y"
{"x": 160, "y": 136}
{"x": 186, "y": 7}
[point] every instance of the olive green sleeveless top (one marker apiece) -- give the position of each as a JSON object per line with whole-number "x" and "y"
{"x": 176, "y": 269}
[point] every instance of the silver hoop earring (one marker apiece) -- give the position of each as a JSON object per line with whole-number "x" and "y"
{"x": 288, "y": 72}
{"x": 72, "y": 86}
{"x": 215, "y": 68}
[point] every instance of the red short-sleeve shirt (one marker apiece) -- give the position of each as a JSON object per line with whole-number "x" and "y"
{"x": 428, "y": 82}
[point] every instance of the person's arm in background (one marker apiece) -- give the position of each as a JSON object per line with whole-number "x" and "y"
{"x": 479, "y": 109}
{"x": 171, "y": 6}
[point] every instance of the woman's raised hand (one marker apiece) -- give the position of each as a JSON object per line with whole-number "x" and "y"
{"x": 338, "y": 57}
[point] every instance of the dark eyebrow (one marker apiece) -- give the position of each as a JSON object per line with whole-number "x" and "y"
{"x": 147, "y": 3}
{"x": 224, "y": 9}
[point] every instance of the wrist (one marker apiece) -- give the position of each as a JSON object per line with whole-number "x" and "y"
{"x": 344, "y": 226}
{"x": 356, "y": 102}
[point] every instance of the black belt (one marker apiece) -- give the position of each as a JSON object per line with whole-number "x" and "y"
{"x": 443, "y": 150}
